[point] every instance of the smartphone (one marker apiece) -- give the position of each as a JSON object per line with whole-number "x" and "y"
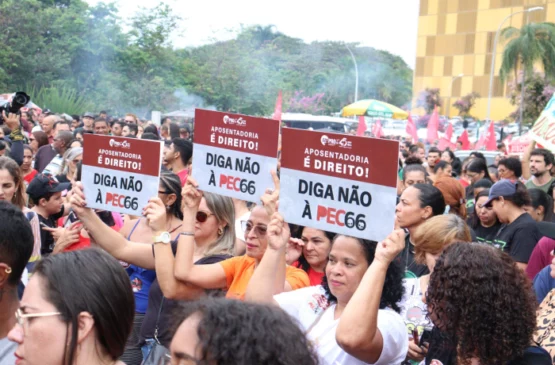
{"x": 415, "y": 336}
{"x": 425, "y": 338}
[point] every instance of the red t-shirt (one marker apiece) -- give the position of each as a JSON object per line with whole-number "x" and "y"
{"x": 540, "y": 257}
{"x": 314, "y": 277}
{"x": 30, "y": 176}
{"x": 183, "y": 176}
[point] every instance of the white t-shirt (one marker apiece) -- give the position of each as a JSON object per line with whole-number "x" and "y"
{"x": 305, "y": 305}
{"x": 413, "y": 310}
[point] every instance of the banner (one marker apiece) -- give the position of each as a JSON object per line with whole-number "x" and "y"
{"x": 120, "y": 174}
{"x": 338, "y": 183}
{"x": 234, "y": 154}
{"x": 543, "y": 130}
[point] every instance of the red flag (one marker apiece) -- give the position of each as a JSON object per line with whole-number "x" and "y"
{"x": 277, "y": 110}
{"x": 433, "y": 127}
{"x": 411, "y": 129}
{"x": 491, "y": 140}
{"x": 377, "y": 130}
{"x": 464, "y": 140}
{"x": 361, "y": 126}
{"x": 449, "y": 132}
{"x": 445, "y": 143}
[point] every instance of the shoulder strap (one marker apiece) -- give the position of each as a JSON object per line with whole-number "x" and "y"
{"x": 133, "y": 229}
{"x": 158, "y": 320}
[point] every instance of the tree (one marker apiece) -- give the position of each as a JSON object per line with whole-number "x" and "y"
{"x": 428, "y": 99}
{"x": 537, "y": 93}
{"x": 466, "y": 103}
{"x": 533, "y": 43}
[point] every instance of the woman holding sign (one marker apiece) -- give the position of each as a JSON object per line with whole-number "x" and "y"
{"x": 357, "y": 270}
{"x": 232, "y": 274}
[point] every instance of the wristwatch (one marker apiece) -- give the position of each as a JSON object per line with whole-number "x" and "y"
{"x": 164, "y": 238}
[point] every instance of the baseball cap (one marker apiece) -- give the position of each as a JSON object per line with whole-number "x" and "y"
{"x": 89, "y": 114}
{"x": 43, "y": 184}
{"x": 504, "y": 187}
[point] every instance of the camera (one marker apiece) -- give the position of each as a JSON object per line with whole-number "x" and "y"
{"x": 19, "y": 100}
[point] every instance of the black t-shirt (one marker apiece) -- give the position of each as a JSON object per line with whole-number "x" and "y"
{"x": 406, "y": 260}
{"x": 155, "y": 299}
{"x": 46, "y": 239}
{"x": 519, "y": 238}
{"x": 487, "y": 234}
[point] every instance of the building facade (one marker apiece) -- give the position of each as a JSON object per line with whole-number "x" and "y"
{"x": 454, "y": 49}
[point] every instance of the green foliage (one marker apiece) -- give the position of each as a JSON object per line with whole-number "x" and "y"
{"x": 535, "y": 42}
{"x": 48, "y": 44}
{"x": 537, "y": 93}
{"x": 466, "y": 103}
{"x": 60, "y": 99}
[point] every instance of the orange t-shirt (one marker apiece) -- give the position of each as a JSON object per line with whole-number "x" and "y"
{"x": 238, "y": 271}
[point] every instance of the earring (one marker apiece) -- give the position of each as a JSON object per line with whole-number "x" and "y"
{"x": 8, "y": 270}
{"x": 220, "y": 231}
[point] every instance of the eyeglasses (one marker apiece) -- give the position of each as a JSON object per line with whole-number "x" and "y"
{"x": 20, "y": 316}
{"x": 259, "y": 230}
{"x": 202, "y": 216}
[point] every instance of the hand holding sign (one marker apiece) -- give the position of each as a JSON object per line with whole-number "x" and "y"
{"x": 278, "y": 233}
{"x": 191, "y": 196}
{"x": 77, "y": 200}
{"x": 155, "y": 213}
{"x": 388, "y": 249}
{"x": 270, "y": 199}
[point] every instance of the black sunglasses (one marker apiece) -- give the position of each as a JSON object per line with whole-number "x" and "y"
{"x": 202, "y": 216}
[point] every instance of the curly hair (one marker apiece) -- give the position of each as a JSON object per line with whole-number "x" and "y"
{"x": 234, "y": 332}
{"x": 483, "y": 302}
{"x": 393, "y": 288}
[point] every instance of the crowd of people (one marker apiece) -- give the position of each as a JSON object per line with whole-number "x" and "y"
{"x": 467, "y": 276}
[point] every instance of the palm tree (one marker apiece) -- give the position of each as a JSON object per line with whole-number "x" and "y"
{"x": 532, "y": 43}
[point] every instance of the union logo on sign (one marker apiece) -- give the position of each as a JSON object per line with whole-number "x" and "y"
{"x": 124, "y": 144}
{"x": 332, "y": 142}
{"x": 232, "y": 121}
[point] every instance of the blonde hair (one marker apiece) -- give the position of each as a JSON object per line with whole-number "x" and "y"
{"x": 224, "y": 211}
{"x": 438, "y": 232}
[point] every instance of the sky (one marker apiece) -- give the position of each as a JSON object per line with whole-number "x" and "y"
{"x": 389, "y": 25}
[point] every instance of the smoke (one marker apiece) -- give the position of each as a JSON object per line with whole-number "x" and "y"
{"x": 185, "y": 100}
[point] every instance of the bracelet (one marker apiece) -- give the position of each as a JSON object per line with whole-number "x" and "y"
{"x": 187, "y": 233}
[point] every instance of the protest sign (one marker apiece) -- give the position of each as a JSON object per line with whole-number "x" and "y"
{"x": 543, "y": 130}
{"x": 120, "y": 174}
{"x": 234, "y": 154}
{"x": 338, "y": 183}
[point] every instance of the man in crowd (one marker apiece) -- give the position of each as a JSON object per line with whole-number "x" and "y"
{"x": 131, "y": 118}
{"x": 417, "y": 151}
{"x": 541, "y": 162}
{"x": 103, "y": 115}
{"x": 45, "y": 154}
{"x": 434, "y": 155}
{"x": 75, "y": 123}
{"x": 61, "y": 144}
{"x": 130, "y": 130}
{"x": 101, "y": 127}
{"x": 117, "y": 128}
{"x": 47, "y": 126}
{"x": 88, "y": 121}
{"x": 177, "y": 157}
{"x": 46, "y": 193}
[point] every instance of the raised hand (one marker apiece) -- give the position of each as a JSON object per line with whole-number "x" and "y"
{"x": 270, "y": 199}
{"x": 294, "y": 250}
{"x": 388, "y": 249}
{"x": 11, "y": 121}
{"x": 278, "y": 233}
{"x": 191, "y": 195}
{"x": 68, "y": 237}
{"x": 155, "y": 213}
{"x": 77, "y": 200}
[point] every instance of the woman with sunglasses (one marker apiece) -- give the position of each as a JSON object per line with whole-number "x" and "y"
{"x": 77, "y": 309}
{"x": 233, "y": 274}
{"x": 69, "y": 164}
{"x": 216, "y": 214}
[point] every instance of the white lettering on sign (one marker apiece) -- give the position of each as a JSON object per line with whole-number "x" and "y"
{"x": 344, "y": 142}
{"x": 232, "y": 121}
{"x": 124, "y": 144}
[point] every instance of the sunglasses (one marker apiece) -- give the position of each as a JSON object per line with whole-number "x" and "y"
{"x": 202, "y": 216}
{"x": 259, "y": 230}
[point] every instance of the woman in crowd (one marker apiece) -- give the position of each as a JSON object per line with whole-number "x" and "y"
{"x": 232, "y": 274}
{"x": 453, "y": 194}
{"x": 477, "y": 170}
{"x": 37, "y": 139}
{"x": 310, "y": 253}
{"x": 26, "y": 167}
{"x": 209, "y": 248}
{"x": 418, "y": 203}
{"x": 472, "y": 285}
{"x": 219, "y": 331}
{"x": 69, "y": 164}
{"x": 481, "y": 185}
{"x": 544, "y": 283}
{"x": 430, "y": 239}
{"x": 442, "y": 168}
{"x": 510, "y": 168}
{"x": 414, "y": 174}
{"x": 76, "y": 143}
{"x": 520, "y": 234}
{"x": 77, "y": 309}
{"x": 359, "y": 271}
{"x": 449, "y": 157}
{"x": 12, "y": 189}
{"x": 242, "y": 214}
{"x": 78, "y": 133}
{"x": 484, "y": 222}
{"x": 541, "y": 207}
{"x": 151, "y": 129}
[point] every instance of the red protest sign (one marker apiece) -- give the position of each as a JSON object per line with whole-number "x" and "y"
{"x": 339, "y": 183}
{"x": 120, "y": 174}
{"x": 233, "y": 154}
